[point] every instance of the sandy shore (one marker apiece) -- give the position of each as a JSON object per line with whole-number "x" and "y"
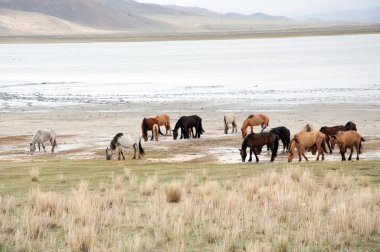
{"x": 84, "y": 131}
{"x": 330, "y": 30}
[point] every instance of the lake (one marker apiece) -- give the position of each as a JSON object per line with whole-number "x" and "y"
{"x": 327, "y": 69}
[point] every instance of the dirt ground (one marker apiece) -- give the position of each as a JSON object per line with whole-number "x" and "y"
{"x": 85, "y": 131}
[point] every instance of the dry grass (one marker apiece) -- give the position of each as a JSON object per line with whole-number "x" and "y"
{"x": 35, "y": 174}
{"x": 173, "y": 192}
{"x": 287, "y": 210}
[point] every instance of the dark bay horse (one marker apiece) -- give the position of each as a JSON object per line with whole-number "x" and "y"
{"x": 255, "y": 141}
{"x": 331, "y": 131}
{"x": 146, "y": 125}
{"x": 187, "y": 123}
{"x": 284, "y": 134}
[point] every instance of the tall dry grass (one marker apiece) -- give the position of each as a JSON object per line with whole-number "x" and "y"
{"x": 274, "y": 211}
{"x": 35, "y": 174}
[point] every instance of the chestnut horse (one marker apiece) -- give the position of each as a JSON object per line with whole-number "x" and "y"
{"x": 254, "y": 120}
{"x": 331, "y": 131}
{"x": 147, "y": 124}
{"x": 164, "y": 120}
{"x": 255, "y": 141}
{"x": 349, "y": 139}
{"x": 308, "y": 140}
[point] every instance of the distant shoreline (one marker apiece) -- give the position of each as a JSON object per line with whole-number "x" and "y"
{"x": 212, "y": 35}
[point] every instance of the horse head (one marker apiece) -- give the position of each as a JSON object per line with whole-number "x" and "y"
{"x": 32, "y": 148}
{"x": 243, "y": 154}
{"x": 108, "y": 154}
{"x": 175, "y": 134}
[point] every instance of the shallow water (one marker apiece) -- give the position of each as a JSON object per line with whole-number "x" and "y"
{"x": 334, "y": 69}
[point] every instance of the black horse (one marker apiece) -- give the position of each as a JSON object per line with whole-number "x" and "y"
{"x": 330, "y": 132}
{"x": 284, "y": 134}
{"x": 187, "y": 123}
{"x": 255, "y": 141}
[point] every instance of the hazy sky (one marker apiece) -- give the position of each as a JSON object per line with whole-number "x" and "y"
{"x": 276, "y": 7}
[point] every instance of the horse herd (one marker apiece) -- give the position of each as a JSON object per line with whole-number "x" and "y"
{"x": 308, "y": 139}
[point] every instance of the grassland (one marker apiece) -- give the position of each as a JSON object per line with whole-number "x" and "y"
{"x": 99, "y": 205}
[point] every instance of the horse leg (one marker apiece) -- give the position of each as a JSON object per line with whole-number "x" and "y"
{"x": 272, "y": 150}
{"x": 328, "y": 144}
{"x": 151, "y": 139}
{"x": 357, "y": 147}
{"x": 43, "y": 146}
{"x": 135, "y": 149}
{"x": 122, "y": 153}
{"x": 234, "y": 127}
{"x": 254, "y": 152}
{"x": 250, "y": 155}
{"x": 118, "y": 158}
{"x": 251, "y": 129}
{"x": 342, "y": 153}
{"x": 351, "y": 151}
{"x": 39, "y": 146}
{"x": 303, "y": 154}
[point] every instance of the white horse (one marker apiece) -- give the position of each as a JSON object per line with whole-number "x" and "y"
{"x": 122, "y": 141}
{"x": 41, "y": 137}
{"x": 230, "y": 119}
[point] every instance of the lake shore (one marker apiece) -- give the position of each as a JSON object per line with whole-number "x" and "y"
{"x": 85, "y": 130}
{"x": 332, "y": 30}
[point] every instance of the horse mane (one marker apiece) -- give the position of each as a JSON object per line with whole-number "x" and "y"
{"x": 251, "y": 116}
{"x": 114, "y": 140}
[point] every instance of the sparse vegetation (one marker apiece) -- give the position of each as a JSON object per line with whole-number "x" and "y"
{"x": 35, "y": 174}
{"x": 268, "y": 207}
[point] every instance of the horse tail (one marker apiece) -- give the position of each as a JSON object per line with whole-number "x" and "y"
{"x": 141, "y": 150}
{"x": 55, "y": 142}
{"x": 145, "y": 126}
{"x": 201, "y": 128}
{"x": 267, "y": 123}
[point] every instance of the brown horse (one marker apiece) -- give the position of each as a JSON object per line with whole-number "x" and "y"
{"x": 331, "y": 131}
{"x": 254, "y": 120}
{"x": 349, "y": 139}
{"x": 255, "y": 142}
{"x": 313, "y": 140}
{"x": 146, "y": 125}
{"x": 164, "y": 120}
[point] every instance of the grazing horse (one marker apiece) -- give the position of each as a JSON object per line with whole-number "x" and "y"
{"x": 187, "y": 123}
{"x": 349, "y": 139}
{"x": 164, "y": 120}
{"x": 284, "y": 134}
{"x": 313, "y": 140}
{"x": 122, "y": 141}
{"x": 146, "y": 125}
{"x": 42, "y": 136}
{"x": 230, "y": 118}
{"x": 331, "y": 131}
{"x": 255, "y": 142}
{"x": 254, "y": 120}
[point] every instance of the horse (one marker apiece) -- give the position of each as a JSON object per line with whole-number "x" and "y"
{"x": 331, "y": 131}
{"x": 284, "y": 134}
{"x": 349, "y": 139}
{"x": 122, "y": 141}
{"x": 164, "y": 120}
{"x": 230, "y": 118}
{"x": 186, "y": 123}
{"x": 254, "y": 120}
{"x": 255, "y": 141}
{"x": 146, "y": 125}
{"x": 313, "y": 140}
{"x": 307, "y": 128}
{"x": 42, "y": 136}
